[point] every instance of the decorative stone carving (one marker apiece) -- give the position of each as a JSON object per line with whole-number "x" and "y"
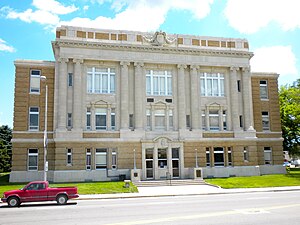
{"x": 159, "y": 39}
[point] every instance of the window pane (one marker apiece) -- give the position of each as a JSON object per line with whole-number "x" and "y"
{"x": 89, "y": 83}
{"x": 105, "y": 83}
{"x": 35, "y": 83}
{"x": 112, "y": 83}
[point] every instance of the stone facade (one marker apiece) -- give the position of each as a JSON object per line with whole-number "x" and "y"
{"x": 154, "y": 104}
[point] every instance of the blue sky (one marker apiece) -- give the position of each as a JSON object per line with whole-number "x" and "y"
{"x": 272, "y": 28}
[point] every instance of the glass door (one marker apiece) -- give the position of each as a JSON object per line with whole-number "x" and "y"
{"x": 149, "y": 163}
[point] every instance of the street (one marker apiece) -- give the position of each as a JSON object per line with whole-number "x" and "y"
{"x": 247, "y": 208}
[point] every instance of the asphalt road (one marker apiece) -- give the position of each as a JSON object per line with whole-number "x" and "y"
{"x": 247, "y": 208}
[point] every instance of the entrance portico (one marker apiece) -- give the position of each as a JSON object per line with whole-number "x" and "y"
{"x": 162, "y": 158}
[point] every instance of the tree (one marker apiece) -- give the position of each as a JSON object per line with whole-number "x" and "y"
{"x": 5, "y": 148}
{"x": 289, "y": 98}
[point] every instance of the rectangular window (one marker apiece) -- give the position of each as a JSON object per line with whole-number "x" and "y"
{"x": 88, "y": 159}
{"x": 100, "y": 158}
{"x": 214, "y": 120}
{"x": 224, "y": 120}
{"x": 35, "y": 79}
{"x": 246, "y": 154}
{"x": 101, "y": 80}
{"x": 88, "y": 118}
{"x": 33, "y": 159}
{"x": 265, "y": 121}
{"x": 160, "y": 119}
{"x": 100, "y": 114}
{"x": 219, "y": 156}
{"x": 203, "y": 117}
{"x": 131, "y": 121}
{"x": 239, "y": 85}
{"x": 241, "y": 121}
{"x": 171, "y": 120}
{"x": 229, "y": 154}
{"x": 207, "y": 156}
{"x": 70, "y": 79}
{"x": 69, "y": 156}
{"x": 113, "y": 119}
{"x": 114, "y": 159}
{"x": 69, "y": 120}
{"x": 33, "y": 118}
{"x": 148, "y": 115}
{"x": 158, "y": 82}
{"x": 268, "y": 155}
{"x": 263, "y": 85}
{"x": 188, "y": 121}
{"x": 212, "y": 84}
{"x": 162, "y": 158}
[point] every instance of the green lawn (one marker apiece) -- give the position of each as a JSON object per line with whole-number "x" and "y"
{"x": 278, "y": 180}
{"x": 83, "y": 188}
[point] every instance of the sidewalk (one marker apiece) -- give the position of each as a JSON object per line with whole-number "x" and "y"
{"x": 185, "y": 190}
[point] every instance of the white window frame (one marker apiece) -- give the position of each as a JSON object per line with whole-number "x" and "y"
{"x": 100, "y": 152}
{"x": 69, "y": 156}
{"x": 88, "y": 159}
{"x": 33, "y": 154}
{"x": 37, "y": 78}
{"x": 212, "y": 84}
{"x": 268, "y": 151}
{"x": 229, "y": 156}
{"x": 92, "y": 73}
{"x": 263, "y": 84}
{"x": 164, "y": 81}
{"x": 160, "y": 113}
{"x": 265, "y": 120}
{"x": 114, "y": 160}
{"x": 32, "y": 113}
{"x": 88, "y": 119}
{"x": 217, "y": 117}
{"x": 246, "y": 154}
{"x": 103, "y": 112}
{"x": 219, "y": 164}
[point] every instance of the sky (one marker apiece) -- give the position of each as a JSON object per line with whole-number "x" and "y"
{"x": 272, "y": 28}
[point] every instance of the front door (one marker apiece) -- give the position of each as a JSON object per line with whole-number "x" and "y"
{"x": 175, "y": 162}
{"x": 149, "y": 163}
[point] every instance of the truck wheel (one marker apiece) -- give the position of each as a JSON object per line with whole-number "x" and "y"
{"x": 61, "y": 199}
{"x": 13, "y": 202}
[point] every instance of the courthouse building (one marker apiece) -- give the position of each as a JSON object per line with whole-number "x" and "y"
{"x": 144, "y": 106}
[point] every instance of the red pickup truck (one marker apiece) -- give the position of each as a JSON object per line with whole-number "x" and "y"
{"x": 38, "y": 191}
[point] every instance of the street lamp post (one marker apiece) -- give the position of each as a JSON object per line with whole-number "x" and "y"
{"x": 196, "y": 158}
{"x": 45, "y": 130}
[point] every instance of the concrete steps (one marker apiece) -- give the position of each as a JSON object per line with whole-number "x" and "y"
{"x": 175, "y": 182}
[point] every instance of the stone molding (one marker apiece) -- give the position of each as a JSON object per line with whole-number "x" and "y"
{"x": 181, "y": 66}
{"x": 124, "y": 63}
{"x": 139, "y": 64}
{"x": 194, "y": 67}
{"x": 234, "y": 68}
{"x": 63, "y": 60}
{"x": 78, "y": 61}
{"x": 127, "y": 47}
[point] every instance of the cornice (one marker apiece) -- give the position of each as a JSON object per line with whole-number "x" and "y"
{"x": 157, "y": 49}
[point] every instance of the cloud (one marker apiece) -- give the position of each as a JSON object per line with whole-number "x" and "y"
{"x": 6, "y": 48}
{"x": 85, "y": 8}
{"x": 249, "y": 16}
{"x": 46, "y": 12}
{"x": 144, "y": 15}
{"x": 278, "y": 59}
{"x": 53, "y": 6}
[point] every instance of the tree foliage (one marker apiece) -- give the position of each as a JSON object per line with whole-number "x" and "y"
{"x": 5, "y": 148}
{"x": 289, "y": 98}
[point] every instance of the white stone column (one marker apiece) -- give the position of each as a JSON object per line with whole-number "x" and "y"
{"x": 138, "y": 95}
{"x": 247, "y": 98}
{"x": 77, "y": 92}
{"x": 62, "y": 94}
{"x": 234, "y": 99}
{"x": 195, "y": 96}
{"x": 181, "y": 97}
{"x": 124, "y": 95}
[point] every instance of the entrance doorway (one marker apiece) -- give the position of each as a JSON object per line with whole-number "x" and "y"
{"x": 149, "y": 164}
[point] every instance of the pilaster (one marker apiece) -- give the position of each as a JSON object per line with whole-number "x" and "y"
{"x": 234, "y": 99}
{"x": 138, "y": 95}
{"x": 195, "y": 98}
{"x": 247, "y": 98}
{"x": 77, "y": 91}
{"x": 62, "y": 93}
{"x": 124, "y": 95}
{"x": 181, "y": 97}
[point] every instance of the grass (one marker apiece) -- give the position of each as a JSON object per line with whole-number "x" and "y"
{"x": 277, "y": 180}
{"x": 83, "y": 188}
